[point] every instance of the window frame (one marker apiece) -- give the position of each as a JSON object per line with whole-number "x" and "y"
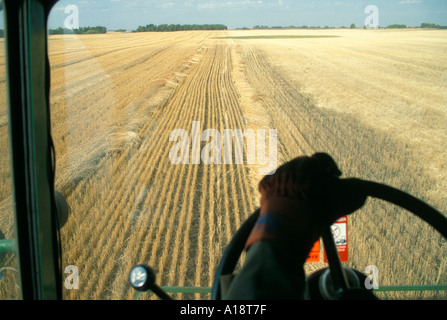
{"x": 32, "y": 160}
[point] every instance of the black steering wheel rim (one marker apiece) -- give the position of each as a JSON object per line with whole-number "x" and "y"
{"x": 232, "y": 252}
{"x": 373, "y": 189}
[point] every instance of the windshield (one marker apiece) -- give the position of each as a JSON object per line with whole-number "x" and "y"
{"x": 166, "y": 114}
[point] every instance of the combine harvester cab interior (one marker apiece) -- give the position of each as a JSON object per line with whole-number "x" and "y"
{"x": 134, "y": 135}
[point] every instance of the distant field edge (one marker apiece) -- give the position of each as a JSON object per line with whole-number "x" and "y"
{"x": 280, "y": 37}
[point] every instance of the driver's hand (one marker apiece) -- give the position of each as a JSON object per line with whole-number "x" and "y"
{"x": 299, "y": 199}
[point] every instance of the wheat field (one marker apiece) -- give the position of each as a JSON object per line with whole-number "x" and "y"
{"x": 373, "y": 99}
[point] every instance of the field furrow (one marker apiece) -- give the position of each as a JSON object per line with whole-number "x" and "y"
{"x": 122, "y": 105}
{"x": 160, "y": 212}
{"x": 354, "y": 145}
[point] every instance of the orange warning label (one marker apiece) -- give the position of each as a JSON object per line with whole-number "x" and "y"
{"x": 314, "y": 254}
{"x": 340, "y": 233}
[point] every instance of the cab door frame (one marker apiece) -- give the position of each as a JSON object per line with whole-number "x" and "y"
{"x": 32, "y": 156}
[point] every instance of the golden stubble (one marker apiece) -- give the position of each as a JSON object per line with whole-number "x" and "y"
{"x": 374, "y": 99}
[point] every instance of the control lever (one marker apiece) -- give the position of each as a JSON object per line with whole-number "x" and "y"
{"x": 142, "y": 278}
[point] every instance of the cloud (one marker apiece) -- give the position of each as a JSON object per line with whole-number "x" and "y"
{"x": 410, "y": 1}
{"x": 165, "y": 4}
{"x": 342, "y": 4}
{"x": 213, "y": 4}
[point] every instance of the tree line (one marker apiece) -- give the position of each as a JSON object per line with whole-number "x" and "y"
{"x": 185, "y": 27}
{"x": 179, "y": 27}
{"x": 432, "y": 25}
{"x": 391, "y": 26}
{"x": 82, "y": 30}
{"x": 424, "y": 25}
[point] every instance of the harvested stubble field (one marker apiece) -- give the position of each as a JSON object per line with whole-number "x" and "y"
{"x": 374, "y": 99}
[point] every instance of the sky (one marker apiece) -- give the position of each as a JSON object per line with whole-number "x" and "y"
{"x": 129, "y": 14}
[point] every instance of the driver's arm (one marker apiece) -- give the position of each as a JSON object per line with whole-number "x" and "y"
{"x": 267, "y": 274}
{"x": 301, "y": 198}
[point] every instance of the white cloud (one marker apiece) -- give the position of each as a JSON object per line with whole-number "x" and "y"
{"x": 410, "y": 1}
{"x": 342, "y": 4}
{"x": 212, "y": 4}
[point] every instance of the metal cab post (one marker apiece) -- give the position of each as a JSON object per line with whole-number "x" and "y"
{"x": 31, "y": 148}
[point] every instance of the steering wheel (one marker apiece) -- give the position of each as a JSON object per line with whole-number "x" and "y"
{"x": 337, "y": 273}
